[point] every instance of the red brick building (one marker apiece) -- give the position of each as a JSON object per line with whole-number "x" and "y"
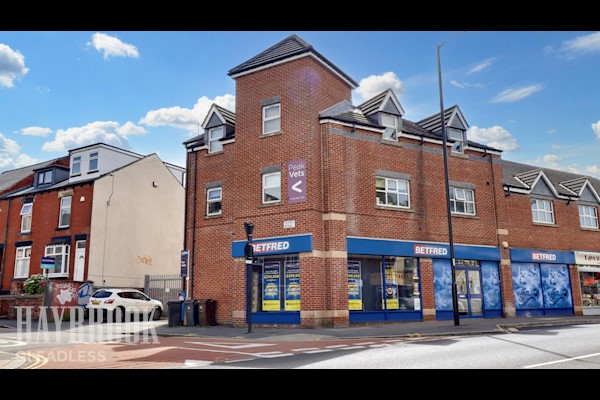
{"x": 349, "y": 210}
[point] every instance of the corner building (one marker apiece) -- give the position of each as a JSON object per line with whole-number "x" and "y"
{"x": 348, "y": 204}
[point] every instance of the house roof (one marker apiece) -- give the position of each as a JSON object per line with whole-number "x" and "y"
{"x": 228, "y": 115}
{"x": 290, "y": 47}
{"x": 565, "y": 183}
{"x": 10, "y": 178}
{"x": 377, "y": 102}
{"x": 110, "y": 146}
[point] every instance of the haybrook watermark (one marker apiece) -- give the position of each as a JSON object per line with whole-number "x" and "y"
{"x": 68, "y": 324}
{"x": 67, "y": 356}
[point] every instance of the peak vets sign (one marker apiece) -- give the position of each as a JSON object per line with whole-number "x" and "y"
{"x": 296, "y": 178}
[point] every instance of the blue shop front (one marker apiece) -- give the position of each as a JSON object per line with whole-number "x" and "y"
{"x": 541, "y": 282}
{"x": 384, "y": 280}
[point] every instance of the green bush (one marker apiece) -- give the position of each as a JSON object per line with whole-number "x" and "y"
{"x": 35, "y": 284}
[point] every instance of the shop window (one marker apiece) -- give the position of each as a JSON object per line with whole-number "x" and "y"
{"x": 590, "y": 288}
{"x": 399, "y": 290}
{"x": 60, "y": 252}
{"x": 462, "y": 201}
{"x": 542, "y": 211}
{"x": 22, "y": 262}
{"x": 276, "y": 283}
{"x": 588, "y": 217}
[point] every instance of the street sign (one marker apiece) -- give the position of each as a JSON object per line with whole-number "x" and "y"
{"x": 47, "y": 263}
{"x": 184, "y": 263}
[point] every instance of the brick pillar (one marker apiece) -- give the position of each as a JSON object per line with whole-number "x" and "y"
{"x": 238, "y": 295}
{"x": 508, "y": 295}
{"x": 427, "y": 289}
{"x": 576, "y": 290}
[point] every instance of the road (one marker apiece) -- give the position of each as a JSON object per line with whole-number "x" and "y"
{"x": 576, "y": 346}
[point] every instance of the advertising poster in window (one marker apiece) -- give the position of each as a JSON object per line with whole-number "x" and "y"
{"x": 492, "y": 299}
{"x": 527, "y": 286}
{"x": 442, "y": 284}
{"x": 556, "y": 285}
{"x": 292, "y": 286}
{"x": 271, "y": 298}
{"x": 354, "y": 286}
{"x": 391, "y": 288}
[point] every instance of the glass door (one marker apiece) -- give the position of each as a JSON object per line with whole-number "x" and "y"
{"x": 468, "y": 286}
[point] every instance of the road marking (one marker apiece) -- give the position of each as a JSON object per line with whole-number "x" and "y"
{"x": 38, "y": 360}
{"x": 11, "y": 343}
{"x": 393, "y": 341}
{"x": 306, "y": 349}
{"x": 317, "y": 351}
{"x": 196, "y": 363}
{"x": 266, "y": 353}
{"x": 375, "y": 346}
{"x": 234, "y": 346}
{"x": 562, "y": 361}
{"x": 364, "y": 343}
{"x": 274, "y": 355}
{"x": 337, "y": 346}
{"x": 352, "y": 348}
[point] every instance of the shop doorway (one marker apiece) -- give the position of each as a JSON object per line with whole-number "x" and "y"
{"x": 468, "y": 285}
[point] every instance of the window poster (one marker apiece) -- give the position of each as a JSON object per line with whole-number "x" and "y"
{"x": 492, "y": 298}
{"x": 527, "y": 286}
{"x": 292, "y": 286}
{"x": 391, "y": 288}
{"x": 271, "y": 278}
{"x": 354, "y": 286}
{"x": 556, "y": 286}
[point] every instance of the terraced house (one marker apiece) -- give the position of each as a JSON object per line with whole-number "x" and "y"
{"x": 349, "y": 209}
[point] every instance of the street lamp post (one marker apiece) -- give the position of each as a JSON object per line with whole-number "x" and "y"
{"x": 448, "y": 210}
{"x": 249, "y": 253}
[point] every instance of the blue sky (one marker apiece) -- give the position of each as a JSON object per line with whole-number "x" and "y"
{"x": 533, "y": 94}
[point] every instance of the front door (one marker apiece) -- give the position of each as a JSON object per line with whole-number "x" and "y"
{"x": 78, "y": 274}
{"x": 468, "y": 286}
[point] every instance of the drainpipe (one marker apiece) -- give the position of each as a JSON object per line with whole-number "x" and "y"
{"x": 5, "y": 241}
{"x": 193, "y": 249}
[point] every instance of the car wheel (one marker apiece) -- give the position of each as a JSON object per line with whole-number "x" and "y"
{"x": 156, "y": 314}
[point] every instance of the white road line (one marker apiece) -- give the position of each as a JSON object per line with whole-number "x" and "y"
{"x": 306, "y": 349}
{"x": 336, "y": 346}
{"x": 352, "y": 348}
{"x": 275, "y": 355}
{"x": 364, "y": 343}
{"x": 562, "y": 361}
{"x": 267, "y": 353}
{"x": 378, "y": 345}
{"x": 393, "y": 341}
{"x": 317, "y": 351}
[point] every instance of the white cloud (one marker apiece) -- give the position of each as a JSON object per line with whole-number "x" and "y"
{"x": 457, "y": 84}
{"x": 551, "y": 131}
{"x": 375, "y": 84}
{"x": 516, "y": 94}
{"x": 548, "y": 161}
{"x": 187, "y": 118}
{"x": 481, "y": 66}
{"x": 596, "y": 128}
{"x": 496, "y": 137}
{"x": 12, "y": 66}
{"x": 556, "y": 146}
{"x": 11, "y": 156}
{"x": 581, "y": 45}
{"x": 592, "y": 170}
{"x": 112, "y": 46}
{"x": 35, "y": 131}
{"x": 464, "y": 85}
{"x": 99, "y": 131}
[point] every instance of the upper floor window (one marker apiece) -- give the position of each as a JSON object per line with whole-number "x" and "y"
{"x": 392, "y": 192}
{"x": 61, "y": 259}
{"x": 76, "y": 165}
{"x": 588, "y": 217}
{"x": 462, "y": 201}
{"x": 391, "y": 126}
{"x": 542, "y": 211}
{"x": 456, "y": 134}
{"x": 22, "y": 259}
{"x": 26, "y": 217}
{"x": 271, "y": 119}
{"x": 214, "y": 199}
{"x": 271, "y": 192}
{"x": 214, "y": 137}
{"x": 64, "y": 218}
{"x": 93, "y": 162}
{"x": 44, "y": 178}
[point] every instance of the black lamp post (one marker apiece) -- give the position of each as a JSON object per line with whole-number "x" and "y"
{"x": 249, "y": 253}
{"x": 448, "y": 208}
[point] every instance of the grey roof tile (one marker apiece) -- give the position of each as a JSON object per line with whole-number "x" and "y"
{"x": 10, "y": 178}
{"x": 372, "y": 105}
{"x": 433, "y": 123}
{"x": 228, "y": 115}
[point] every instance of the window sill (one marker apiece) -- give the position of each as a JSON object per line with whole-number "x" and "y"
{"x": 547, "y": 225}
{"x": 92, "y": 171}
{"x": 465, "y": 216}
{"x": 584, "y": 228}
{"x": 24, "y": 233}
{"x": 391, "y": 142}
{"x": 62, "y": 228}
{"x": 382, "y": 207}
{"x": 270, "y": 204}
{"x": 58, "y": 275}
{"x": 213, "y": 216}
{"x": 459, "y": 155}
{"x": 77, "y": 174}
{"x": 214, "y": 153}
{"x": 265, "y": 135}
{"x": 15, "y": 279}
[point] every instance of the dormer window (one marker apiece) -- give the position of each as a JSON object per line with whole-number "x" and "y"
{"x": 391, "y": 126}
{"x": 93, "y": 162}
{"x": 76, "y": 166}
{"x": 44, "y": 178}
{"x": 214, "y": 137}
{"x": 456, "y": 134}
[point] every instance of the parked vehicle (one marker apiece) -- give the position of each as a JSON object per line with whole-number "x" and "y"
{"x": 124, "y": 302}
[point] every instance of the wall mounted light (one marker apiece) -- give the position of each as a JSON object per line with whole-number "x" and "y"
{"x": 82, "y": 199}
{"x": 505, "y": 244}
{"x": 154, "y": 184}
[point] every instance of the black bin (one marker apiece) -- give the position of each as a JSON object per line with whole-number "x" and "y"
{"x": 174, "y": 312}
{"x": 207, "y": 312}
{"x": 190, "y": 316}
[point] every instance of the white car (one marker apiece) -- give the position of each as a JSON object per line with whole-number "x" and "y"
{"x": 122, "y": 302}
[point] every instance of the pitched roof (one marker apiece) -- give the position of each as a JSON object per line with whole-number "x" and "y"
{"x": 344, "y": 111}
{"x": 434, "y": 124}
{"x": 228, "y": 115}
{"x": 376, "y": 103}
{"x": 10, "y": 178}
{"x": 565, "y": 183}
{"x": 290, "y": 47}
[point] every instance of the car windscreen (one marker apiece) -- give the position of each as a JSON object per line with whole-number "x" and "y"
{"x": 102, "y": 294}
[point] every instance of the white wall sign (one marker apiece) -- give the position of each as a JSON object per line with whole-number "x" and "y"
{"x": 587, "y": 258}
{"x": 289, "y": 224}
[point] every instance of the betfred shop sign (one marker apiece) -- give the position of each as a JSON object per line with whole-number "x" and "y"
{"x": 423, "y": 250}
{"x": 269, "y": 247}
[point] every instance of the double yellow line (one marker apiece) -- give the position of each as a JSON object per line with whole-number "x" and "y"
{"x": 34, "y": 361}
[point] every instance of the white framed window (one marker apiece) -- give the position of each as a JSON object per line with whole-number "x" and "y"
{"x": 214, "y": 136}
{"x": 26, "y": 211}
{"x": 60, "y": 252}
{"x": 44, "y": 178}
{"x": 462, "y": 201}
{"x": 271, "y": 118}
{"x": 22, "y": 259}
{"x": 542, "y": 211}
{"x": 271, "y": 192}
{"x": 391, "y": 126}
{"x": 93, "y": 162}
{"x": 392, "y": 192}
{"x": 76, "y": 166}
{"x": 588, "y": 217}
{"x": 456, "y": 134}
{"x": 64, "y": 218}
{"x": 214, "y": 197}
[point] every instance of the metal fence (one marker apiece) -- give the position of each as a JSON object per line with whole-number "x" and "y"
{"x": 163, "y": 288}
